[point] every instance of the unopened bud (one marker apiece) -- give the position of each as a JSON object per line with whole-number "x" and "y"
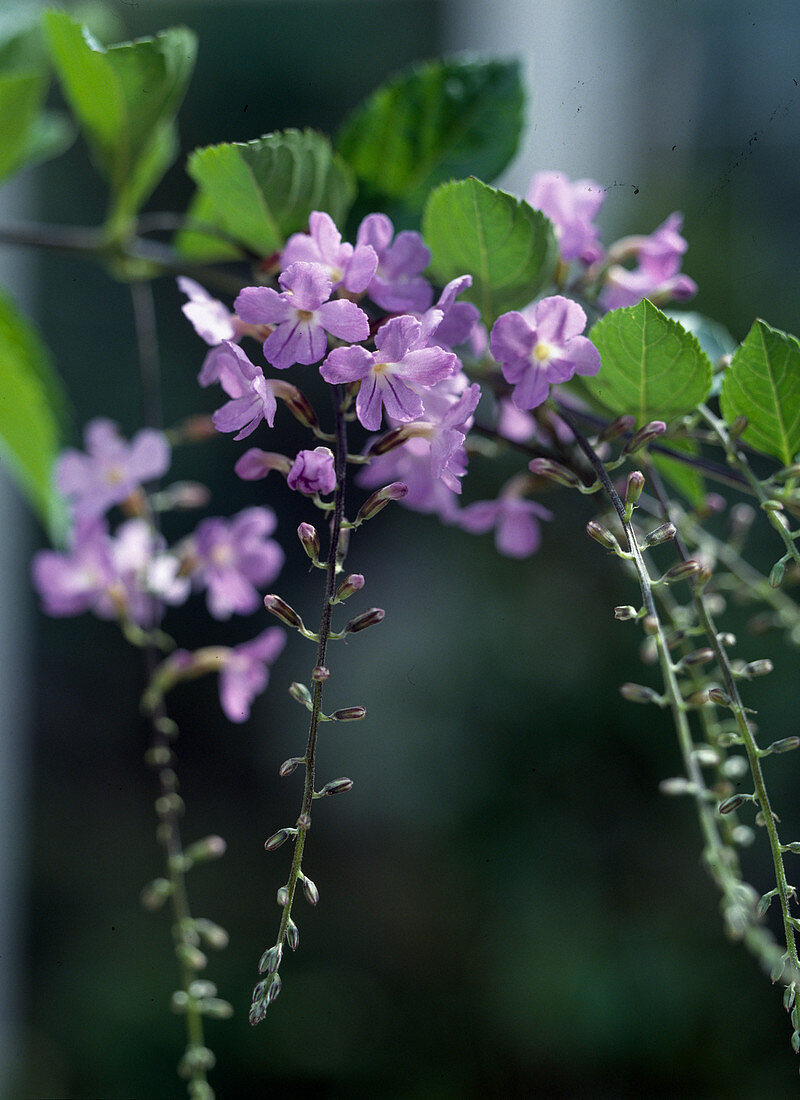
{"x": 310, "y": 890}
{"x": 731, "y": 804}
{"x": 210, "y": 847}
{"x": 292, "y": 935}
{"x": 349, "y": 714}
{"x": 677, "y": 785}
{"x": 644, "y": 436}
{"x": 698, "y": 657}
{"x": 786, "y": 744}
{"x": 304, "y": 822}
{"x": 296, "y": 402}
{"x": 281, "y": 610}
{"x": 191, "y": 955}
{"x": 336, "y": 786}
{"x": 319, "y": 674}
{"x": 213, "y": 935}
{"x": 388, "y": 442}
{"x": 717, "y": 695}
{"x": 602, "y": 535}
{"x": 155, "y": 894}
{"x": 202, "y": 988}
{"x": 726, "y": 638}
{"x": 370, "y": 617}
{"x": 283, "y": 896}
{"x": 274, "y": 988}
{"x": 682, "y": 571}
{"x": 300, "y": 693}
{"x": 216, "y": 1009}
{"x": 737, "y": 427}
{"x": 758, "y": 668}
{"x": 277, "y": 839}
{"x": 660, "y": 534}
{"x": 634, "y": 487}
{"x": 352, "y": 583}
{"x": 554, "y": 471}
{"x": 625, "y": 612}
{"x": 776, "y": 574}
{"x": 159, "y": 756}
{"x": 270, "y": 960}
{"x": 378, "y": 501}
{"x": 288, "y": 766}
{"x": 638, "y": 693}
{"x": 309, "y": 539}
{"x": 621, "y": 426}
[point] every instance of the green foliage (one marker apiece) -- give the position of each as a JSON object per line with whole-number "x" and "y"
{"x": 763, "y": 384}
{"x": 125, "y": 99}
{"x": 259, "y": 192}
{"x": 652, "y": 367}
{"x": 434, "y": 122}
{"x": 32, "y": 415}
{"x": 507, "y": 247}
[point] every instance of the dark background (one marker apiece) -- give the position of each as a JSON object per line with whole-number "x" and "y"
{"x": 508, "y": 905}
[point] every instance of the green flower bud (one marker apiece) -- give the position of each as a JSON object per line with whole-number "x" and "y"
{"x": 371, "y": 617}
{"x": 349, "y": 714}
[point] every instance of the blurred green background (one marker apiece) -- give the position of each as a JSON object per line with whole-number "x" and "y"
{"x": 508, "y": 905}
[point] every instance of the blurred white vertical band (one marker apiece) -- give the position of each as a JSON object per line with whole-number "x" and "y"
{"x": 16, "y": 604}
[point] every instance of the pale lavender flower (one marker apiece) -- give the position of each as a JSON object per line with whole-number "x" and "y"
{"x": 211, "y": 320}
{"x": 112, "y": 469}
{"x": 391, "y": 376}
{"x": 657, "y": 275}
{"x": 450, "y": 323}
{"x": 252, "y": 393}
{"x": 411, "y": 465}
{"x": 230, "y": 558}
{"x": 345, "y": 266}
{"x": 397, "y": 285}
{"x": 571, "y": 207}
{"x": 302, "y": 314}
{"x": 313, "y": 472}
{"x": 514, "y": 519}
{"x": 542, "y": 345}
{"x": 244, "y": 673}
{"x": 77, "y": 581}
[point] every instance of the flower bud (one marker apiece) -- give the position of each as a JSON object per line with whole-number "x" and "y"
{"x": 288, "y": 766}
{"x": 731, "y": 804}
{"x": 698, "y": 657}
{"x": 682, "y": 571}
{"x": 283, "y": 896}
{"x": 349, "y": 714}
{"x": 270, "y": 960}
{"x": 191, "y": 955}
{"x": 277, "y": 839}
{"x": 213, "y": 935}
{"x": 281, "y": 610}
{"x": 621, "y": 426}
{"x": 776, "y": 574}
{"x": 352, "y": 583}
{"x": 216, "y": 1009}
{"x": 155, "y": 894}
{"x": 304, "y": 822}
{"x": 301, "y": 694}
{"x": 336, "y": 786}
{"x": 388, "y": 442}
{"x": 638, "y": 693}
{"x": 554, "y": 471}
{"x": 602, "y": 535}
{"x": 625, "y": 613}
{"x": 274, "y": 988}
{"x": 737, "y": 427}
{"x": 310, "y": 540}
{"x": 367, "y": 618}
{"x": 310, "y": 890}
{"x": 159, "y": 756}
{"x": 202, "y": 988}
{"x": 758, "y": 668}
{"x": 717, "y": 695}
{"x": 675, "y": 786}
{"x": 296, "y": 402}
{"x": 292, "y": 935}
{"x": 319, "y": 674}
{"x": 210, "y": 847}
{"x": 378, "y": 501}
{"x": 644, "y": 436}
{"x": 634, "y": 487}
{"x": 659, "y": 534}
{"x": 786, "y": 744}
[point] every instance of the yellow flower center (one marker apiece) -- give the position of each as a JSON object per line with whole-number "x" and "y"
{"x": 542, "y": 351}
{"x": 304, "y": 314}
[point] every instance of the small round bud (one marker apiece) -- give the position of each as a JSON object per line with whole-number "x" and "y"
{"x": 277, "y": 839}
{"x": 166, "y": 727}
{"x": 274, "y": 988}
{"x": 210, "y": 847}
{"x": 737, "y": 427}
{"x": 717, "y": 695}
{"x": 625, "y": 612}
{"x": 731, "y": 804}
{"x": 213, "y": 935}
{"x": 391, "y": 440}
{"x": 169, "y": 804}
{"x": 621, "y": 426}
{"x": 304, "y": 822}
{"x": 675, "y": 786}
{"x": 660, "y": 534}
{"x": 698, "y": 657}
{"x": 281, "y": 610}
{"x": 776, "y": 574}
{"x": 300, "y": 693}
{"x": 602, "y": 535}
{"x": 352, "y": 583}
{"x": 378, "y": 501}
{"x": 191, "y": 955}
{"x": 179, "y": 1000}
{"x": 319, "y": 674}
{"x": 216, "y": 1009}
{"x": 155, "y": 894}
{"x": 682, "y": 571}
{"x": 270, "y": 960}
{"x": 283, "y": 896}
{"x": 786, "y": 744}
{"x": 310, "y": 890}
{"x": 292, "y": 935}
{"x": 650, "y": 625}
{"x": 634, "y": 487}
{"x": 349, "y": 714}
{"x": 638, "y": 693}
{"x": 371, "y": 617}
{"x": 202, "y": 988}
{"x": 554, "y": 471}
{"x": 159, "y": 756}
{"x": 336, "y": 786}
{"x": 196, "y": 1060}
{"x": 288, "y": 766}
{"x": 310, "y": 540}
{"x": 758, "y": 668}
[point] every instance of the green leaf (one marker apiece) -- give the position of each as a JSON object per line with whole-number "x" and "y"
{"x": 194, "y": 244}
{"x": 21, "y": 97}
{"x": 435, "y": 122}
{"x": 32, "y": 415}
{"x": 652, "y": 367}
{"x": 763, "y": 384}
{"x": 260, "y": 191}
{"x": 507, "y": 247}
{"x": 125, "y": 98}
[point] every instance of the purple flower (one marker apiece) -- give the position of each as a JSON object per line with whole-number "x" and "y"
{"x": 514, "y": 520}
{"x": 123, "y": 577}
{"x": 244, "y": 673}
{"x": 303, "y": 316}
{"x": 571, "y": 208}
{"x": 112, "y": 469}
{"x": 390, "y": 375}
{"x": 540, "y": 346}
{"x": 657, "y": 276}
{"x": 411, "y": 464}
{"x": 231, "y": 557}
{"x": 211, "y": 320}
{"x": 345, "y": 266}
{"x": 313, "y": 472}
{"x": 450, "y": 323}
{"x": 252, "y": 394}
{"x": 397, "y": 285}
